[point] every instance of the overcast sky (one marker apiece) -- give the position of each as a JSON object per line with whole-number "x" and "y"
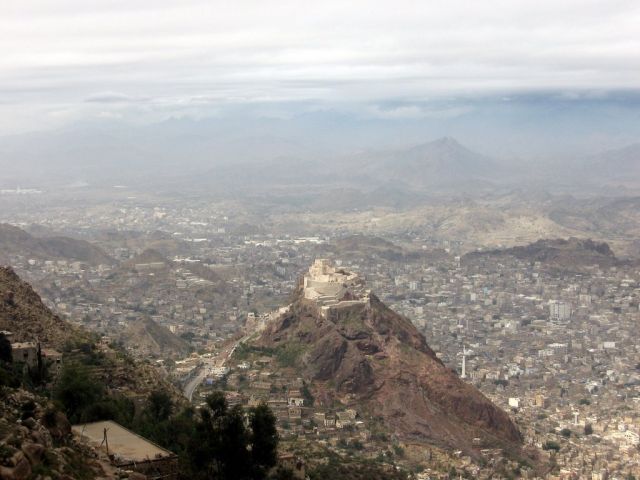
{"x": 66, "y": 61}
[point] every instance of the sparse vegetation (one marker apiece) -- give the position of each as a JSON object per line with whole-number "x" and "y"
{"x": 551, "y": 445}
{"x": 216, "y": 442}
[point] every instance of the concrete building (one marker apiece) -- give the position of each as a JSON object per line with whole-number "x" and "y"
{"x": 129, "y": 450}
{"x": 559, "y": 311}
{"x": 25, "y": 352}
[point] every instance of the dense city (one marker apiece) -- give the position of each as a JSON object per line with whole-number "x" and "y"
{"x": 553, "y": 346}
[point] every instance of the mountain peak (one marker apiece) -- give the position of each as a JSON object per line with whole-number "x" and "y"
{"x": 447, "y": 141}
{"x": 355, "y": 351}
{"x": 439, "y": 145}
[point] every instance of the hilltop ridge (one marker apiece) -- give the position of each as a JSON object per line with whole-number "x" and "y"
{"x": 356, "y": 351}
{"x": 15, "y": 241}
{"x": 571, "y": 253}
{"x": 27, "y": 318}
{"x": 23, "y": 314}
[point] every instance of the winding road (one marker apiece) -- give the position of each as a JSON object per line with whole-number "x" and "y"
{"x": 217, "y": 361}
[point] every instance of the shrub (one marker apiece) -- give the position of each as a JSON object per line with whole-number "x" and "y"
{"x": 76, "y": 391}
{"x": 551, "y": 445}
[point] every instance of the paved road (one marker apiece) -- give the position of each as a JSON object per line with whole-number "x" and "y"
{"x": 191, "y": 385}
{"x": 217, "y": 361}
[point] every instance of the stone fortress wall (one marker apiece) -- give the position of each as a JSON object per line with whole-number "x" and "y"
{"x": 333, "y": 288}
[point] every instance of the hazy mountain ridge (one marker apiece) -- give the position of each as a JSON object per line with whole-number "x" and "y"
{"x": 442, "y": 163}
{"x": 616, "y": 166}
{"x": 197, "y": 154}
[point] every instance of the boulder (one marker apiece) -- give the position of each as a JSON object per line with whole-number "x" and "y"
{"x": 20, "y": 469}
{"x": 34, "y": 452}
{"x": 42, "y": 437}
{"x": 58, "y": 425}
{"x": 30, "y": 423}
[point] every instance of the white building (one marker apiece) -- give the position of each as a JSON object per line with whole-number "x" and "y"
{"x": 559, "y": 311}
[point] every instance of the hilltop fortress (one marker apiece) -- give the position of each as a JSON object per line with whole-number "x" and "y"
{"x": 333, "y": 289}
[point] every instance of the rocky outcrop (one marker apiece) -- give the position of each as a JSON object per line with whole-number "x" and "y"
{"x": 149, "y": 336}
{"x": 572, "y": 253}
{"x": 23, "y": 313}
{"x": 373, "y": 358}
{"x": 34, "y": 437}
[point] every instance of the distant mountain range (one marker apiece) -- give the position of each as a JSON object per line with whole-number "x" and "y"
{"x": 616, "y": 167}
{"x": 443, "y": 163}
{"x": 176, "y": 155}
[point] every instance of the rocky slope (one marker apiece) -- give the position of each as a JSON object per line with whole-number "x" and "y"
{"x": 23, "y": 313}
{"x": 35, "y": 436}
{"x": 28, "y": 319}
{"x": 374, "y": 359}
{"x": 148, "y": 336}
{"x": 15, "y": 241}
{"x": 36, "y": 442}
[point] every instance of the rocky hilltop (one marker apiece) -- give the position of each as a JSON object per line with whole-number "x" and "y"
{"x": 356, "y": 351}
{"x": 149, "y": 336}
{"x": 36, "y": 440}
{"x": 23, "y": 314}
{"x": 571, "y": 253}
{"x": 15, "y": 241}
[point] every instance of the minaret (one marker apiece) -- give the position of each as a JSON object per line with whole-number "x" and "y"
{"x": 464, "y": 363}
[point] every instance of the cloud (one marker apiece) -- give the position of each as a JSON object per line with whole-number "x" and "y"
{"x": 166, "y": 53}
{"x": 108, "y": 97}
{"x": 417, "y": 111}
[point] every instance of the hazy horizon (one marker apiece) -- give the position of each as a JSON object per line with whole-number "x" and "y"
{"x": 525, "y": 80}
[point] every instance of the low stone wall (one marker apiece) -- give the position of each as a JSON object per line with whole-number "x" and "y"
{"x": 162, "y": 468}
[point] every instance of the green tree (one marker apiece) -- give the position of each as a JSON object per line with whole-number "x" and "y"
{"x": 307, "y": 395}
{"x": 205, "y": 449}
{"x": 118, "y": 408}
{"x": 159, "y": 406}
{"x": 236, "y": 460}
{"x": 215, "y": 444}
{"x": 264, "y": 440}
{"x": 6, "y": 354}
{"x": 551, "y": 445}
{"x": 76, "y": 391}
{"x": 217, "y": 404}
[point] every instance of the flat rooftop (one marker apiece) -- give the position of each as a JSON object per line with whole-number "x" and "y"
{"x": 123, "y": 443}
